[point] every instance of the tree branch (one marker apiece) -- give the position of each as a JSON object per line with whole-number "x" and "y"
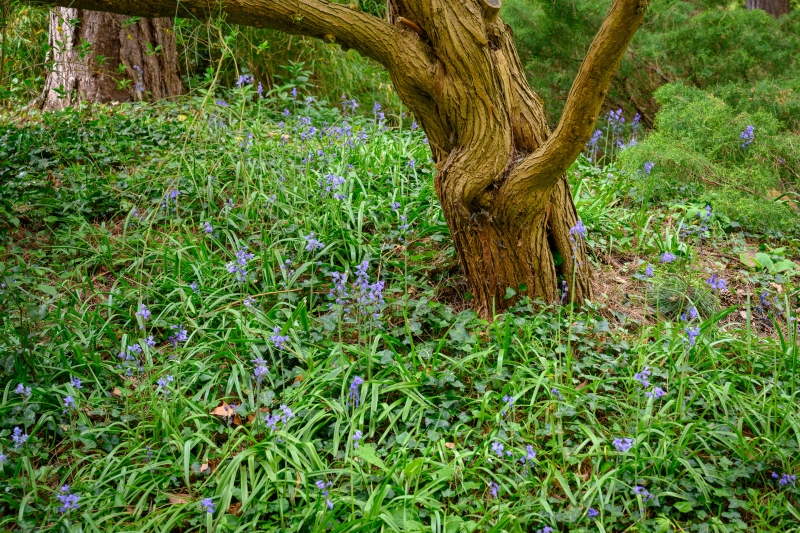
{"x": 369, "y": 35}
{"x": 542, "y": 169}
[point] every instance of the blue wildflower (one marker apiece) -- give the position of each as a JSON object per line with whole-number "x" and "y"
{"x": 357, "y": 436}
{"x": 68, "y": 500}
{"x": 277, "y": 339}
{"x": 312, "y": 243}
{"x": 717, "y": 284}
{"x": 623, "y": 445}
{"x": 207, "y": 505}
{"x": 667, "y": 257}
{"x": 593, "y": 513}
{"x": 19, "y": 438}
{"x": 748, "y": 135}
{"x": 493, "y": 488}
{"x": 354, "y": 392}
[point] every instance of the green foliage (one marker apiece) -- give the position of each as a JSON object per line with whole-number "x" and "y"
{"x": 698, "y": 151}
{"x": 157, "y": 427}
{"x": 703, "y": 43}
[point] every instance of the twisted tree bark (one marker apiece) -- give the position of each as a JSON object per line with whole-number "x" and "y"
{"x": 500, "y": 171}
{"x": 104, "y": 57}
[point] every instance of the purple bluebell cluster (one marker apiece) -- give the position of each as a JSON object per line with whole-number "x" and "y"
{"x": 545, "y": 529}
{"x": 69, "y": 402}
{"x": 691, "y": 314}
{"x": 497, "y": 448}
{"x": 527, "y": 459}
{"x": 69, "y": 501}
{"x": 557, "y": 393}
{"x": 784, "y": 479}
{"x": 244, "y": 79}
{"x": 283, "y": 415}
{"x": 648, "y": 167}
{"x": 509, "y": 403}
{"x": 667, "y": 257}
{"x": 163, "y": 384}
{"x": 312, "y": 243}
{"x": 593, "y": 513}
{"x": 643, "y": 492}
{"x": 578, "y": 230}
{"x": 143, "y": 312}
{"x": 180, "y": 335}
{"x": 277, "y": 339}
{"x": 623, "y": 444}
{"x": 748, "y": 135}
{"x": 238, "y": 267}
{"x": 717, "y": 283}
{"x": 19, "y": 438}
{"x": 656, "y": 393}
{"x": 24, "y": 391}
{"x": 649, "y": 272}
{"x": 355, "y": 396}
{"x": 207, "y": 505}
{"x": 366, "y": 297}
{"x": 260, "y": 369}
{"x": 642, "y": 377}
{"x": 323, "y": 487}
{"x": 691, "y": 335}
{"x": 75, "y": 382}
{"x": 357, "y": 436}
{"x": 493, "y": 488}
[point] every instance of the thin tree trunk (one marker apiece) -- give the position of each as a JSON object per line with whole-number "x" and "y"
{"x": 776, "y": 8}
{"x": 102, "y": 57}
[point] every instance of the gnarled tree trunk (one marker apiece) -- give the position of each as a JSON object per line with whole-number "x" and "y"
{"x": 500, "y": 171}
{"x": 776, "y": 8}
{"x": 103, "y": 57}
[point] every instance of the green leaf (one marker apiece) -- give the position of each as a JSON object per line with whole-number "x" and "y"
{"x": 683, "y": 507}
{"x": 414, "y": 467}
{"x": 510, "y": 293}
{"x": 48, "y": 289}
{"x": 367, "y": 453}
{"x": 764, "y": 261}
{"x": 784, "y": 265}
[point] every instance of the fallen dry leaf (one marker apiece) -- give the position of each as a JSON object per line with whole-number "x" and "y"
{"x": 204, "y": 467}
{"x": 235, "y": 508}
{"x": 116, "y": 392}
{"x": 582, "y": 385}
{"x": 177, "y": 499}
{"x": 226, "y": 411}
{"x": 449, "y": 445}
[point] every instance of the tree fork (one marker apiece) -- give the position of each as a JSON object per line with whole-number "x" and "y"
{"x": 500, "y": 171}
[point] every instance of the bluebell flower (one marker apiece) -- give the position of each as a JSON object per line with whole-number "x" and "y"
{"x": 221, "y": 103}
{"x": 354, "y": 391}
{"x": 497, "y": 448}
{"x": 277, "y": 339}
{"x": 578, "y": 230}
{"x": 784, "y": 479}
{"x": 180, "y": 335}
{"x": 75, "y": 382}
{"x": 3, "y": 458}
{"x": 260, "y": 369}
{"x": 376, "y": 107}
{"x": 593, "y": 513}
{"x": 667, "y": 257}
{"x": 238, "y": 267}
{"x": 493, "y": 489}
{"x": 150, "y": 341}
{"x": 414, "y": 126}
{"x": 244, "y": 79}
{"x": 395, "y": 206}
{"x": 357, "y": 436}
{"x": 623, "y": 445}
{"x": 24, "y": 391}
{"x": 260, "y": 90}
{"x": 323, "y": 487}
{"x": 557, "y": 393}
{"x": 648, "y": 167}
{"x": 294, "y": 92}
{"x": 648, "y": 272}
{"x": 208, "y": 227}
{"x": 163, "y": 383}
{"x": 207, "y": 504}
{"x": 193, "y": 286}
{"x": 312, "y": 243}
{"x": 642, "y": 376}
{"x": 68, "y": 500}
{"x": 656, "y": 393}
{"x": 643, "y": 492}
{"x": 69, "y": 401}
{"x": 690, "y": 315}
{"x": 717, "y": 284}
{"x": 143, "y": 312}
{"x": 19, "y": 438}
{"x": 748, "y": 135}
{"x": 595, "y": 137}
{"x": 545, "y": 529}
{"x": 692, "y": 334}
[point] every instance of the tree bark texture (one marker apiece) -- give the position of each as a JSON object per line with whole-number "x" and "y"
{"x": 500, "y": 171}
{"x": 776, "y": 8}
{"x": 104, "y": 57}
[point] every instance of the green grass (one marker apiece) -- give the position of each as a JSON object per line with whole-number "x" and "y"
{"x": 78, "y": 262}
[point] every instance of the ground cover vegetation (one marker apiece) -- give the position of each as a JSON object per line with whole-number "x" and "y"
{"x": 244, "y": 311}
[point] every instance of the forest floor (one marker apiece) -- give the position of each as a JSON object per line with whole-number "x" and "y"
{"x": 250, "y": 317}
